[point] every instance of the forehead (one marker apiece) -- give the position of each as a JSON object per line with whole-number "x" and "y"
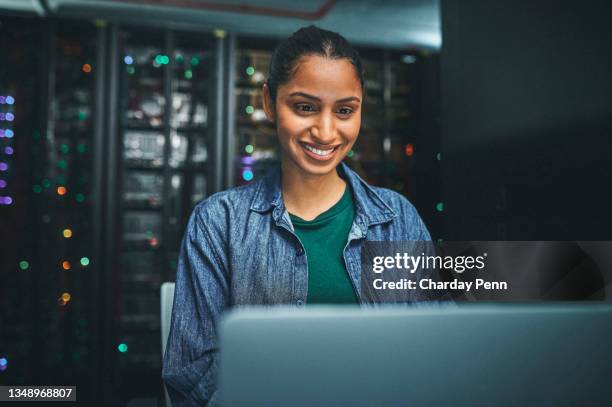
{"x": 320, "y": 76}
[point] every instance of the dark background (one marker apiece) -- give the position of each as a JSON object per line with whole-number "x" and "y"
{"x": 527, "y": 120}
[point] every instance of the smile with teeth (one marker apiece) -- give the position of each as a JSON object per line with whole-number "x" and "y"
{"x": 318, "y": 152}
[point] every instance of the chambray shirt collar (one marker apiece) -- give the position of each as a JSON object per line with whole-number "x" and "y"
{"x": 370, "y": 208}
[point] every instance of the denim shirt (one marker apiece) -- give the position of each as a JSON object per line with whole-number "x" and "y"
{"x": 240, "y": 248}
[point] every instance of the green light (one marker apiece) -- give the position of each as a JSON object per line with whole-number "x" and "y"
{"x": 439, "y": 156}
{"x": 81, "y": 148}
{"x": 249, "y": 109}
{"x": 180, "y": 59}
{"x": 249, "y": 148}
{"x": 195, "y": 61}
{"x": 350, "y": 154}
{"x": 24, "y": 265}
{"x": 440, "y": 206}
{"x": 165, "y": 60}
{"x": 188, "y": 74}
{"x": 250, "y": 70}
{"x": 80, "y": 197}
{"x": 62, "y": 164}
{"x": 158, "y": 59}
{"x": 131, "y": 70}
{"x": 37, "y": 189}
{"x": 82, "y": 116}
{"x": 84, "y": 261}
{"x": 122, "y": 347}
{"x": 64, "y": 148}
{"x": 440, "y": 241}
{"x": 46, "y": 183}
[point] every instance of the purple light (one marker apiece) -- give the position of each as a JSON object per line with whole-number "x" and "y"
{"x": 10, "y": 100}
{"x": 1, "y": 133}
{"x": 2, "y": 116}
{"x": 247, "y": 160}
{"x": 2, "y": 100}
{"x": 8, "y": 150}
{"x": 6, "y": 200}
{"x": 9, "y": 133}
{"x": 10, "y": 117}
{"x": 2, "y": 183}
{"x": 3, "y": 166}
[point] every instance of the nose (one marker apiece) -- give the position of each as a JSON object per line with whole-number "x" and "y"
{"x": 324, "y": 130}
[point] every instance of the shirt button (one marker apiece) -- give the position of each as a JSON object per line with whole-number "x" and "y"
{"x": 300, "y": 303}
{"x": 300, "y": 251}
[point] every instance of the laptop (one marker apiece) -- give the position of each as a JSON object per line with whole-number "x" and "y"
{"x": 501, "y": 354}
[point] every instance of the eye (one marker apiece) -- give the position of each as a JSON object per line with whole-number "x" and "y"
{"x": 304, "y": 108}
{"x": 345, "y": 111}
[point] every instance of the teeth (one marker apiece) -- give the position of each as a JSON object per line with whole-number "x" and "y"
{"x": 322, "y": 153}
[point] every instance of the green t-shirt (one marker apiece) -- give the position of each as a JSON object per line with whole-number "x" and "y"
{"x": 324, "y": 239}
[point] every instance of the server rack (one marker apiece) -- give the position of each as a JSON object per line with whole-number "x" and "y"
{"x": 166, "y": 83}
{"x": 256, "y": 143}
{"x": 48, "y": 321}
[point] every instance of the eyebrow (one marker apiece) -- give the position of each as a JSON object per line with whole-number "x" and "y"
{"x": 306, "y": 95}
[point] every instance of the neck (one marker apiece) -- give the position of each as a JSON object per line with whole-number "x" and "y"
{"x": 307, "y": 195}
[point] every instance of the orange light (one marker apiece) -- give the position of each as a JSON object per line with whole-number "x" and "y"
{"x": 61, "y": 190}
{"x": 409, "y": 151}
{"x": 66, "y": 265}
{"x": 86, "y": 68}
{"x": 67, "y": 233}
{"x": 66, "y": 297}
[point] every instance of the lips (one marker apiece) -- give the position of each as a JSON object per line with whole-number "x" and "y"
{"x": 319, "y": 154}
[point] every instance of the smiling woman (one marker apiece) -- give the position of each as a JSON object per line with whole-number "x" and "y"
{"x": 294, "y": 236}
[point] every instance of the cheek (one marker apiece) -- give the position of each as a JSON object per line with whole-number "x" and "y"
{"x": 289, "y": 125}
{"x": 350, "y": 128}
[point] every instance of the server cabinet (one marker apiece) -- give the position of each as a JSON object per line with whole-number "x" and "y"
{"x": 49, "y": 286}
{"x": 165, "y": 91}
{"x": 257, "y": 147}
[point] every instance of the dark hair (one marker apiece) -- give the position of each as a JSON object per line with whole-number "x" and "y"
{"x": 309, "y": 40}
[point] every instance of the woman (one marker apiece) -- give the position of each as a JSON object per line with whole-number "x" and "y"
{"x": 294, "y": 236}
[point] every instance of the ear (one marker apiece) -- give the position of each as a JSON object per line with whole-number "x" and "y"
{"x": 267, "y": 102}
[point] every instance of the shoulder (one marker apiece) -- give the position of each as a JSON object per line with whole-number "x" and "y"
{"x": 396, "y": 201}
{"x": 218, "y": 209}
{"x": 406, "y": 217}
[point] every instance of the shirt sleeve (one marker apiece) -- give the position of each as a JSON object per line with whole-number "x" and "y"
{"x": 190, "y": 363}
